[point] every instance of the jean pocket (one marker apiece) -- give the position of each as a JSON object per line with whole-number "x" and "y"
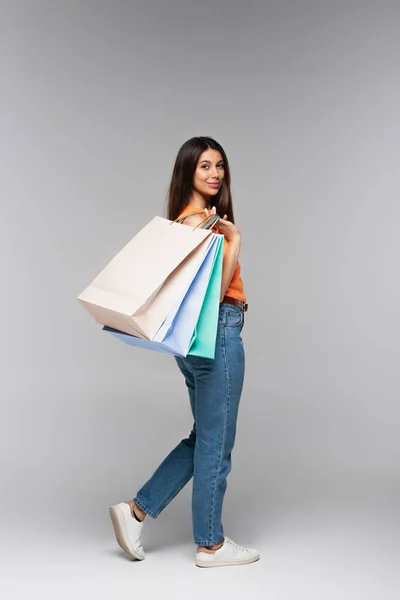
{"x": 234, "y": 318}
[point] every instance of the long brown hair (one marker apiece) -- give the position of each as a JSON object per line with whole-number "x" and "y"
{"x": 181, "y": 185}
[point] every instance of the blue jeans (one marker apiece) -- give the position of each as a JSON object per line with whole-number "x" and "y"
{"x": 215, "y": 387}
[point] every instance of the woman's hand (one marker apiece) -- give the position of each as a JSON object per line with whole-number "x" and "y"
{"x": 228, "y": 229}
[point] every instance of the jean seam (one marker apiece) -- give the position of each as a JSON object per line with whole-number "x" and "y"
{"x": 208, "y": 542}
{"x": 144, "y": 507}
{"x": 223, "y": 437}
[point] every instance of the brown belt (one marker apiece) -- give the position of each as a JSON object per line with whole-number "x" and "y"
{"x": 229, "y": 300}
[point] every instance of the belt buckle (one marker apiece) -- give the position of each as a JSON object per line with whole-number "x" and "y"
{"x": 243, "y": 305}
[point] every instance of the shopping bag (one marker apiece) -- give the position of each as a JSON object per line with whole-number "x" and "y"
{"x": 139, "y": 287}
{"x": 205, "y": 333}
{"x": 176, "y": 335}
{"x": 133, "y": 340}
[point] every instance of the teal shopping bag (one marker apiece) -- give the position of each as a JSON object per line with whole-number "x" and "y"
{"x": 205, "y": 333}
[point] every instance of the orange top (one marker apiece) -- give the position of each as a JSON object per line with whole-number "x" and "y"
{"x": 235, "y": 288}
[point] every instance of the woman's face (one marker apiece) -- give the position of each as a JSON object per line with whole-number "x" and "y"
{"x": 209, "y": 173}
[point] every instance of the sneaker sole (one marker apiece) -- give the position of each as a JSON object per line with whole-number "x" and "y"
{"x": 118, "y": 522}
{"x": 227, "y": 563}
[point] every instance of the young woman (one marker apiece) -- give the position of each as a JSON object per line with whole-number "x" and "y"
{"x": 201, "y": 184}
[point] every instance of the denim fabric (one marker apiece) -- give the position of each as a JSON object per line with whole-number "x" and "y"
{"x": 215, "y": 388}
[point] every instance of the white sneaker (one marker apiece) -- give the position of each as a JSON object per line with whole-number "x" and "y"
{"x": 127, "y": 530}
{"x": 228, "y": 555}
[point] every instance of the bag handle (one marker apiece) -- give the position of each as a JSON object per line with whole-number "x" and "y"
{"x": 207, "y": 223}
{"x": 189, "y": 214}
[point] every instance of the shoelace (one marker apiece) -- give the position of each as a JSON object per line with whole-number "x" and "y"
{"x": 232, "y": 543}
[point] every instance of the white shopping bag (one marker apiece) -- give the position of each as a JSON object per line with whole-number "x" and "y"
{"x": 140, "y": 286}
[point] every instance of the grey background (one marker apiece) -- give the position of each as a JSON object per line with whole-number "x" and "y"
{"x": 96, "y": 98}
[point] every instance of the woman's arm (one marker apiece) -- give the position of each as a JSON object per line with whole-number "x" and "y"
{"x": 229, "y": 263}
